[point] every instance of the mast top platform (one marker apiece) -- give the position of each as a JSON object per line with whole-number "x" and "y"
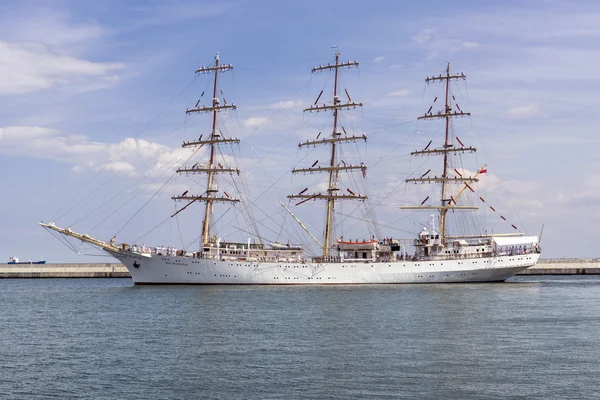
{"x": 214, "y": 68}
{"x": 441, "y": 77}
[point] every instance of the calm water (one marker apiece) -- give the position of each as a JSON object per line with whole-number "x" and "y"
{"x": 536, "y": 337}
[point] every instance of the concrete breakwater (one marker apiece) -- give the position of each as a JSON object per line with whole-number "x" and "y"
{"x": 115, "y": 270}
{"x": 565, "y": 266}
{"x": 92, "y": 270}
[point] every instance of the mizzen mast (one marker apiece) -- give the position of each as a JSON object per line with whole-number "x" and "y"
{"x": 209, "y": 197}
{"x": 337, "y": 137}
{"x": 450, "y": 111}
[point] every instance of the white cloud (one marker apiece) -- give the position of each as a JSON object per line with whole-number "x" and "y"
{"x": 288, "y": 104}
{"x": 438, "y": 44}
{"x": 51, "y": 28}
{"x": 530, "y": 110}
{"x": 254, "y": 122}
{"x": 587, "y": 196}
{"x": 130, "y": 155}
{"x": 379, "y": 59}
{"x": 26, "y": 68}
{"x": 120, "y": 166}
{"x": 42, "y": 49}
{"x": 174, "y": 189}
{"x": 179, "y": 10}
{"x": 468, "y": 44}
{"x": 424, "y": 35}
{"x": 399, "y": 93}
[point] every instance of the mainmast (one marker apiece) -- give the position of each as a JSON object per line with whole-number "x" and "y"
{"x": 216, "y": 138}
{"x": 447, "y": 202}
{"x": 335, "y": 166}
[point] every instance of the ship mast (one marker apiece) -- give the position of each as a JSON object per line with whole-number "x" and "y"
{"x": 447, "y": 202}
{"x": 335, "y": 167}
{"x": 209, "y": 197}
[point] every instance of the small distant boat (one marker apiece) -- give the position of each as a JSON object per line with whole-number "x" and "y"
{"x": 15, "y": 260}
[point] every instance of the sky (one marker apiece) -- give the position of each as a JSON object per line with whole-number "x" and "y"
{"x": 93, "y": 98}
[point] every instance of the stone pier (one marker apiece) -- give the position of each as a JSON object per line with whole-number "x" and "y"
{"x": 63, "y": 271}
{"x": 565, "y": 266}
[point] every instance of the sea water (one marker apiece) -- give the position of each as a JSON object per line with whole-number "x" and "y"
{"x": 533, "y": 337}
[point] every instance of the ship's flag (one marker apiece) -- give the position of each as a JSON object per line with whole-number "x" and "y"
{"x": 483, "y": 170}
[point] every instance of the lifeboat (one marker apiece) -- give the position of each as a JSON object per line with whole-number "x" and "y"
{"x": 279, "y": 246}
{"x": 357, "y": 242}
{"x": 356, "y": 245}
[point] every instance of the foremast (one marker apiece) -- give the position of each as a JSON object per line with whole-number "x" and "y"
{"x": 210, "y": 196}
{"x": 447, "y": 202}
{"x": 335, "y": 166}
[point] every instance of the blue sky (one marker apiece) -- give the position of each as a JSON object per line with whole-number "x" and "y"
{"x": 93, "y": 96}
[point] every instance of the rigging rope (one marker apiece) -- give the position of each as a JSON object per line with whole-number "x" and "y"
{"x": 156, "y": 169}
{"x": 54, "y": 217}
{"x": 145, "y": 204}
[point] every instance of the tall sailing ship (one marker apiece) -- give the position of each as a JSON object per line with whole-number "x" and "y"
{"x": 438, "y": 256}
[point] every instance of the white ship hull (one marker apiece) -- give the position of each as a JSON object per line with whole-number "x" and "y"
{"x": 159, "y": 269}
